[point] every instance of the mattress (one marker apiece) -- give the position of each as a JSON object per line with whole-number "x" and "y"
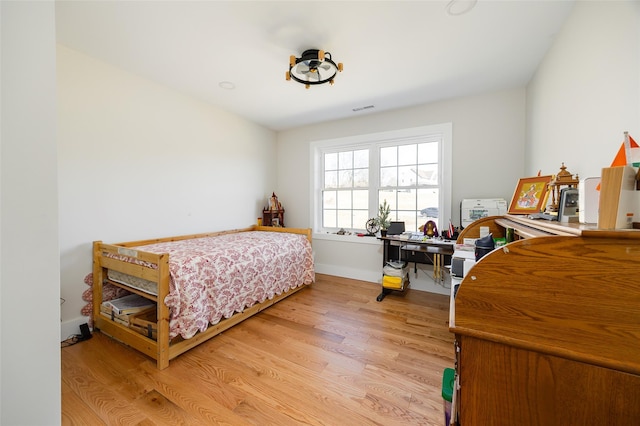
{"x": 141, "y": 284}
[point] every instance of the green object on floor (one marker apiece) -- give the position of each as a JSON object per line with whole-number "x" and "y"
{"x": 448, "y": 380}
{"x": 448, "y": 377}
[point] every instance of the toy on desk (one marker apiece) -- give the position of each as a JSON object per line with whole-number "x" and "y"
{"x": 372, "y": 226}
{"x": 430, "y": 229}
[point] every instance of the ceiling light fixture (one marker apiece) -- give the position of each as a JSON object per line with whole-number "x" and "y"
{"x": 362, "y": 108}
{"x": 313, "y": 67}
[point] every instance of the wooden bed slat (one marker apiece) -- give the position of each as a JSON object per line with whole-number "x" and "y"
{"x": 126, "y": 335}
{"x": 118, "y": 250}
{"x": 151, "y": 297}
{"x": 162, "y": 356}
{"x": 131, "y": 269}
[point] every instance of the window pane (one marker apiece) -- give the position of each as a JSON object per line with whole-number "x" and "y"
{"x": 361, "y": 178}
{"x": 428, "y": 174}
{"x": 329, "y": 218}
{"x": 331, "y": 161}
{"x": 344, "y": 219}
{"x": 407, "y": 154}
{"x": 428, "y": 152}
{"x": 428, "y": 203}
{"x": 344, "y": 200}
{"x": 331, "y": 179}
{"x": 388, "y": 156}
{"x": 360, "y": 218}
{"x": 407, "y": 176}
{"x": 361, "y": 200}
{"x": 346, "y": 179}
{"x": 329, "y": 200}
{"x": 361, "y": 158}
{"x": 388, "y": 176}
{"x": 390, "y": 196}
{"x": 345, "y": 160}
{"x": 409, "y": 219}
{"x": 407, "y": 200}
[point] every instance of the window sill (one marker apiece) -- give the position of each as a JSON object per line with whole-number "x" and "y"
{"x": 354, "y": 239}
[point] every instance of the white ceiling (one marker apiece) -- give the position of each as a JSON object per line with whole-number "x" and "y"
{"x": 395, "y": 53}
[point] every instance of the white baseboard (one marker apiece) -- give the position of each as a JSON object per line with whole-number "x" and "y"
{"x": 71, "y": 327}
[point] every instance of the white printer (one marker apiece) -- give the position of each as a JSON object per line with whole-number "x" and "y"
{"x": 474, "y": 209}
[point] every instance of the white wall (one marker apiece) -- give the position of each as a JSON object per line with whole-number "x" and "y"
{"x": 488, "y": 158}
{"x": 138, "y": 160}
{"x": 586, "y": 92}
{"x": 29, "y": 277}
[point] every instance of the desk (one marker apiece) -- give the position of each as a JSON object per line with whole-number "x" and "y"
{"x": 553, "y": 316}
{"x": 433, "y": 250}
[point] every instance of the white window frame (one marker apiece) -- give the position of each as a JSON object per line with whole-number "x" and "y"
{"x": 374, "y": 141}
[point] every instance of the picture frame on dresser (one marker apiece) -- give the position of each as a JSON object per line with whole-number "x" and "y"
{"x": 530, "y": 195}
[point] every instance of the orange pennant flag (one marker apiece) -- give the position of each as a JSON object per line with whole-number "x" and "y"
{"x": 621, "y": 157}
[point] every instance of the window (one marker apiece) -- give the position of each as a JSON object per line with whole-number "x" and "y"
{"x": 409, "y": 181}
{"x": 410, "y": 169}
{"x": 345, "y": 193}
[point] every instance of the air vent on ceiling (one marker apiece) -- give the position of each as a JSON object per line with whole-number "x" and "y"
{"x": 363, "y": 108}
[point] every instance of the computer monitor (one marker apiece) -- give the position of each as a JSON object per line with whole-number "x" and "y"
{"x": 395, "y": 228}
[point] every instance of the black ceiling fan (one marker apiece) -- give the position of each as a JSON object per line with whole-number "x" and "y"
{"x": 313, "y": 67}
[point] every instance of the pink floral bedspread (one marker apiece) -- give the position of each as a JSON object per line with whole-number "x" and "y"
{"x": 214, "y": 277}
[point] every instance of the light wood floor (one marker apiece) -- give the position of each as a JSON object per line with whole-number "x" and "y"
{"x": 328, "y": 355}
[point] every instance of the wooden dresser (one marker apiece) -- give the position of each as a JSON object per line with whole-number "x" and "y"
{"x": 547, "y": 327}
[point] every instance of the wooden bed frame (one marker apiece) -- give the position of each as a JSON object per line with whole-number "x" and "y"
{"x": 162, "y": 349}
